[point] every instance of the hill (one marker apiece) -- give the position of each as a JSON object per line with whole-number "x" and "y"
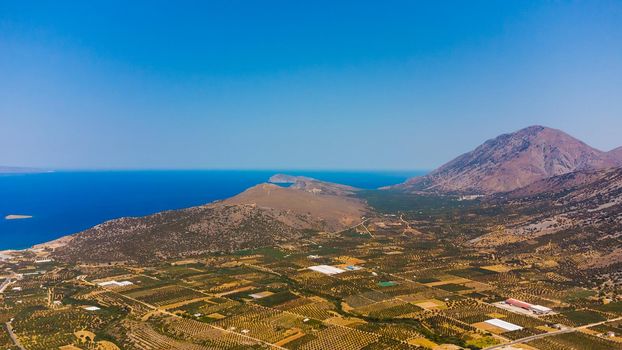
{"x": 263, "y": 215}
{"x": 512, "y": 161}
{"x": 335, "y": 211}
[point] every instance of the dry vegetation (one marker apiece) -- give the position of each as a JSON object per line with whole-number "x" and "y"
{"x": 236, "y": 276}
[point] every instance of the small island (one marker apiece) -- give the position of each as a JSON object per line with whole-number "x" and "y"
{"x": 17, "y": 217}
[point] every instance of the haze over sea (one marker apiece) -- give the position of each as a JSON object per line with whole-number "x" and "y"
{"x": 64, "y": 202}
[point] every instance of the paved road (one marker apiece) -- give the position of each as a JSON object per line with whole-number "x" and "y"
{"x": 353, "y": 226}
{"x": 9, "y": 329}
{"x": 538, "y": 336}
{"x": 530, "y": 338}
{"x": 4, "y": 285}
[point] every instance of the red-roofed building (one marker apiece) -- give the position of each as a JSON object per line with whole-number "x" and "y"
{"x": 537, "y": 309}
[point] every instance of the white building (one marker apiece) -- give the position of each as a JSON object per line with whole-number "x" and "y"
{"x": 503, "y": 324}
{"x": 115, "y": 283}
{"x": 327, "y": 269}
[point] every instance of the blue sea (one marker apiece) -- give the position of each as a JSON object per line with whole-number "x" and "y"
{"x": 63, "y": 203}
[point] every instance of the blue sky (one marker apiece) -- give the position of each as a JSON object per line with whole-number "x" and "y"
{"x": 299, "y": 84}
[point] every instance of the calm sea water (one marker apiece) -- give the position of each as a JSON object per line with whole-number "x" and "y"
{"x": 62, "y": 203}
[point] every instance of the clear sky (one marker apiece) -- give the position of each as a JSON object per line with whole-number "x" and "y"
{"x": 299, "y": 84}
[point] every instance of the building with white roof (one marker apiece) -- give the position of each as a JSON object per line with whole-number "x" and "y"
{"x": 115, "y": 283}
{"x": 327, "y": 269}
{"x": 539, "y": 309}
{"x": 503, "y": 324}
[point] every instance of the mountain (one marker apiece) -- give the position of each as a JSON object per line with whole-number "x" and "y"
{"x": 263, "y": 215}
{"x": 512, "y": 161}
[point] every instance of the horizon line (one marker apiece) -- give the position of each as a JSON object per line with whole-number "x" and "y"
{"x": 68, "y": 169}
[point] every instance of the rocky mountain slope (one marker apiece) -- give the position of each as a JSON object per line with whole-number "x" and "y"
{"x": 264, "y": 215}
{"x": 580, "y": 210}
{"x": 512, "y": 161}
{"x": 616, "y": 155}
{"x": 603, "y": 186}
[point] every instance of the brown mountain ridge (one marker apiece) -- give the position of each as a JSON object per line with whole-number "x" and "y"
{"x": 512, "y": 161}
{"x": 264, "y": 215}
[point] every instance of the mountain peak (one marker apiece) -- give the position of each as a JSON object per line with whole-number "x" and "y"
{"x": 534, "y": 129}
{"x": 511, "y": 161}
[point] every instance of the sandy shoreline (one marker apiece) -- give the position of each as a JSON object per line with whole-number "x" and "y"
{"x": 40, "y": 250}
{"x": 57, "y": 243}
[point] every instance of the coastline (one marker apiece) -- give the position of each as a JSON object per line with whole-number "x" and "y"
{"x": 134, "y": 194}
{"x": 40, "y": 249}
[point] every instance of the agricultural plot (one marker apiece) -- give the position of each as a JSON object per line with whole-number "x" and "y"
{"x": 206, "y": 335}
{"x": 338, "y": 338}
{"x": 144, "y": 337}
{"x": 104, "y": 272}
{"x": 392, "y": 331}
{"x": 269, "y": 325}
{"x": 276, "y": 298}
{"x": 612, "y": 308}
{"x": 50, "y": 329}
{"x": 113, "y": 300}
{"x": 316, "y": 309}
{"x": 178, "y": 272}
{"x": 472, "y": 273}
{"x": 167, "y": 295}
{"x": 576, "y": 317}
{"x": 575, "y": 340}
{"x": 452, "y": 287}
{"x": 388, "y": 309}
